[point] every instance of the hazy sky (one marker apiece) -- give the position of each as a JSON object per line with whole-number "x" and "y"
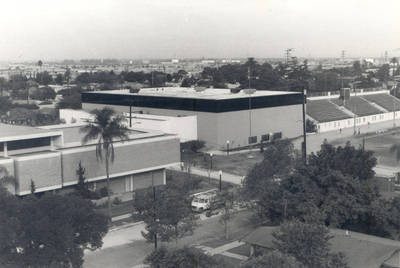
{"x": 59, "y": 29}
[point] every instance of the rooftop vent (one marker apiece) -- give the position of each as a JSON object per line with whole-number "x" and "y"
{"x": 199, "y": 89}
{"x": 249, "y": 90}
{"x": 134, "y": 90}
{"x": 235, "y": 90}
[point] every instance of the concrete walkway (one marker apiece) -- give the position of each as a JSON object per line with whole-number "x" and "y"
{"x": 223, "y": 250}
{"x": 214, "y": 174}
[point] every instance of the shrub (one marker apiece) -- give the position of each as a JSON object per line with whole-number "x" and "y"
{"x": 193, "y": 146}
{"x": 117, "y": 201}
{"x": 103, "y": 191}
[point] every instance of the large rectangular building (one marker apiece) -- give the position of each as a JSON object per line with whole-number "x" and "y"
{"x": 50, "y": 157}
{"x": 240, "y": 119}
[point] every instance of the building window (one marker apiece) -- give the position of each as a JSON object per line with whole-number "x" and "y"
{"x": 265, "y": 137}
{"x": 26, "y": 144}
{"x": 252, "y": 139}
{"x": 277, "y": 136}
{"x": 1, "y": 146}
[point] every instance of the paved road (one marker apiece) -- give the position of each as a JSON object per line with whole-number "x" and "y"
{"x": 126, "y": 248}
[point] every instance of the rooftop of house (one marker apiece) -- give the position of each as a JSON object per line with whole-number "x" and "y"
{"x": 361, "y": 250}
{"x": 199, "y": 93}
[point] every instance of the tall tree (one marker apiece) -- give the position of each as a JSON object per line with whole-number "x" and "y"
{"x": 395, "y": 63}
{"x": 308, "y": 243}
{"x": 181, "y": 258}
{"x": 273, "y": 259}
{"x": 166, "y": 212}
{"x": 52, "y": 231}
{"x": 6, "y": 180}
{"x": 106, "y": 127}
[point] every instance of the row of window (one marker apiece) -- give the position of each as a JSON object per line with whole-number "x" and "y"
{"x": 25, "y": 144}
{"x": 266, "y": 137}
{"x": 358, "y": 120}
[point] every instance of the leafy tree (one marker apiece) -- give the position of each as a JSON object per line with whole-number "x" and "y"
{"x": 357, "y": 68}
{"x": 181, "y": 258}
{"x": 43, "y": 93}
{"x": 7, "y": 181}
{"x": 272, "y": 259}
{"x": 52, "y": 231}
{"x": 308, "y": 243}
{"x": 166, "y": 212}
{"x": 394, "y": 63}
{"x": 3, "y": 85}
{"x": 5, "y": 104}
{"x": 59, "y": 79}
{"x": 67, "y": 75}
{"x": 72, "y": 101}
{"x": 310, "y": 126}
{"x": 106, "y": 127}
{"x": 225, "y": 200}
{"x": 279, "y": 159}
{"x": 188, "y": 82}
{"x": 44, "y": 78}
{"x": 81, "y": 186}
{"x": 383, "y": 73}
{"x": 335, "y": 188}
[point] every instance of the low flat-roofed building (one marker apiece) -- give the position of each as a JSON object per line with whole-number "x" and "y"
{"x": 239, "y": 119}
{"x": 49, "y": 156}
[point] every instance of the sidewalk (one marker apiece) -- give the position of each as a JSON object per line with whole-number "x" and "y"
{"x": 223, "y": 250}
{"x": 226, "y": 177}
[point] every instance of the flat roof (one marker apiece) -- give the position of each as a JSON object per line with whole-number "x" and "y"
{"x": 212, "y": 100}
{"x": 16, "y": 132}
{"x": 201, "y": 93}
{"x": 73, "y": 136}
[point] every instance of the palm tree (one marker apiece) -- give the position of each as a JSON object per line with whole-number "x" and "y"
{"x": 6, "y": 179}
{"x": 105, "y": 128}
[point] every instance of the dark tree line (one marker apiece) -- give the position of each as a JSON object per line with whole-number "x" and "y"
{"x": 336, "y": 188}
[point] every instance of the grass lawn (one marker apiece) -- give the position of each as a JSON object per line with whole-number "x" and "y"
{"x": 228, "y": 261}
{"x": 117, "y": 210}
{"x": 199, "y": 183}
{"x": 379, "y": 143}
{"x": 238, "y": 164}
{"x": 241, "y": 250}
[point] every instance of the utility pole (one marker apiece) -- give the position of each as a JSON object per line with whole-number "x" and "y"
{"x": 394, "y": 113}
{"x": 130, "y": 115}
{"x": 304, "y": 128}
{"x": 287, "y": 54}
{"x": 248, "y": 75}
{"x": 154, "y": 209}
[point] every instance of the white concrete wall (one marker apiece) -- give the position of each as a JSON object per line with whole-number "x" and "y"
{"x": 217, "y": 128}
{"x": 335, "y": 96}
{"x": 185, "y": 126}
{"x": 235, "y": 126}
{"x": 359, "y": 121}
{"x": 74, "y": 116}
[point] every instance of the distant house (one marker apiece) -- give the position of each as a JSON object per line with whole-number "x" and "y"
{"x": 361, "y": 250}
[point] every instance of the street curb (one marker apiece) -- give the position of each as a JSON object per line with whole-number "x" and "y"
{"x": 116, "y": 228}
